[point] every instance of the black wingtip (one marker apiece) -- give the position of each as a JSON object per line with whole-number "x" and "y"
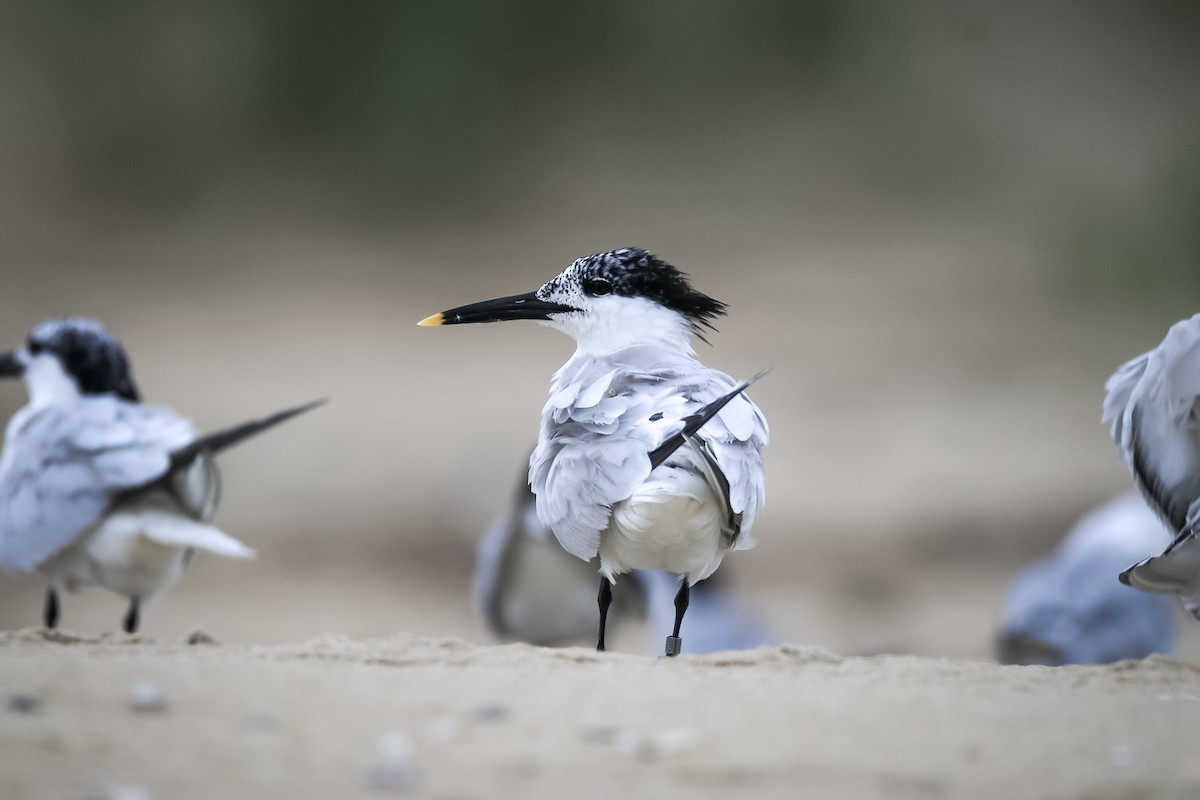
{"x": 694, "y": 422}
{"x": 222, "y": 440}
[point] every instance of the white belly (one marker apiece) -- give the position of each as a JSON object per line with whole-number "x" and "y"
{"x": 672, "y": 522}
{"x": 118, "y": 556}
{"x": 137, "y": 549}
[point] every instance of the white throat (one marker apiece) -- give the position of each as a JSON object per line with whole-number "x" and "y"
{"x": 48, "y": 383}
{"x": 612, "y": 323}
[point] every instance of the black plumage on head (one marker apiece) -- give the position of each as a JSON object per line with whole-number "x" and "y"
{"x": 632, "y": 272}
{"x": 88, "y": 353}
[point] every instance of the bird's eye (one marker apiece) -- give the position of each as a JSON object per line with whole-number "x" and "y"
{"x": 597, "y": 287}
{"x": 33, "y": 347}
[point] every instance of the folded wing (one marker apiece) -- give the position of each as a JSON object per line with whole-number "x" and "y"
{"x": 605, "y": 417}
{"x": 62, "y": 467}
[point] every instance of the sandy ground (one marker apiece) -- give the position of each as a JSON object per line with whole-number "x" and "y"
{"x": 934, "y": 429}
{"x": 442, "y": 718}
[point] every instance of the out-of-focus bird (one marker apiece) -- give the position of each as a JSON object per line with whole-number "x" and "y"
{"x": 97, "y": 488}
{"x": 1069, "y": 608}
{"x": 1153, "y": 403}
{"x": 717, "y": 620}
{"x": 645, "y": 457}
{"x": 528, "y": 589}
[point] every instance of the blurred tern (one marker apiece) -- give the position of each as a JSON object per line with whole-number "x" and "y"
{"x": 1154, "y": 404}
{"x": 1070, "y": 609}
{"x": 96, "y": 488}
{"x": 528, "y": 589}
{"x": 645, "y": 457}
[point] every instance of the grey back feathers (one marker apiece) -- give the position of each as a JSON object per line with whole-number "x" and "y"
{"x": 63, "y": 465}
{"x": 603, "y": 418}
{"x": 1153, "y": 403}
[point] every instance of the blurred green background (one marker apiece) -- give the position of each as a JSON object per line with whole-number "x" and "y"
{"x": 943, "y": 223}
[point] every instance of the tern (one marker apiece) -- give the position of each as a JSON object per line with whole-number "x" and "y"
{"x": 645, "y": 457}
{"x": 1153, "y": 402}
{"x": 97, "y": 488}
{"x": 1069, "y": 608}
{"x": 528, "y": 589}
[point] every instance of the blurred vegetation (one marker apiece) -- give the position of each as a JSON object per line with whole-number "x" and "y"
{"x": 390, "y": 109}
{"x": 404, "y": 103}
{"x": 1140, "y": 251}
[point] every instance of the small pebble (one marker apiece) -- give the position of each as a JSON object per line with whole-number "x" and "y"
{"x": 145, "y": 698}
{"x": 199, "y": 636}
{"x": 395, "y": 770}
{"x": 24, "y": 703}
{"x": 491, "y": 714}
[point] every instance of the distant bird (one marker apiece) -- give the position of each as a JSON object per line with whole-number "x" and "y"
{"x": 718, "y": 618}
{"x": 1069, "y": 608}
{"x": 1153, "y": 403}
{"x": 645, "y": 457}
{"x": 96, "y": 488}
{"x": 527, "y": 588}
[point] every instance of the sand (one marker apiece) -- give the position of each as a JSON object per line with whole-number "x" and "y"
{"x": 100, "y": 716}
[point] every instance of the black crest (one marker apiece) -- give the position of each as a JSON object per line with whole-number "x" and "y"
{"x": 632, "y": 272}
{"x": 88, "y": 353}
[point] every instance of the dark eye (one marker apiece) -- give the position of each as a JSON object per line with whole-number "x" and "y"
{"x": 33, "y": 346}
{"x": 597, "y": 287}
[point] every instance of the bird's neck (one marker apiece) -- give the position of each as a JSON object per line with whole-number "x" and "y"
{"x": 626, "y": 324}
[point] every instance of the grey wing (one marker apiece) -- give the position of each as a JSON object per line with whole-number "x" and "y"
{"x": 577, "y": 478}
{"x": 1161, "y": 434}
{"x": 1119, "y": 390}
{"x": 603, "y": 419}
{"x": 591, "y": 452}
{"x": 63, "y": 466}
{"x": 735, "y": 438}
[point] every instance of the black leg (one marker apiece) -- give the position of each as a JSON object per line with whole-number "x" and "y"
{"x": 50, "y": 610}
{"x": 674, "y": 643}
{"x": 130, "y": 623}
{"x": 604, "y": 600}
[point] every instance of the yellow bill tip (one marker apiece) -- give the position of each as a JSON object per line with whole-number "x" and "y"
{"x": 431, "y": 320}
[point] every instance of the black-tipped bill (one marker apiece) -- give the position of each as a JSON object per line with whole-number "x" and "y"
{"x": 519, "y": 306}
{"x": 10, "y": 367}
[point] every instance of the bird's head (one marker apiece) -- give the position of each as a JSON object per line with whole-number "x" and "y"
{"x": 64, "y": 359}
{"x": 605, "y": 302}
